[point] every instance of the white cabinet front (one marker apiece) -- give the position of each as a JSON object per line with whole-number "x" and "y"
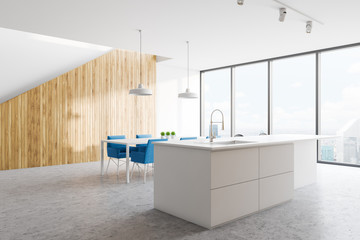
{"x": 276, "y": 160}
{"x": 233, "y": 202}
{"x": 276, "y": 189}
{"x": 232, "y": 167}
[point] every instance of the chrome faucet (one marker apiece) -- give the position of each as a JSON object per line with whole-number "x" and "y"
{"x": 211, "y": 124}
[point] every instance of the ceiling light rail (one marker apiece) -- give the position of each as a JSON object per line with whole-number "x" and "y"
{"x": 299, "y": 12}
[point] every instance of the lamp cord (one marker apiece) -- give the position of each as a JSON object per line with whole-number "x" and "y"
{"x": 140, "y": 55}
{"x": 187, "y": 63}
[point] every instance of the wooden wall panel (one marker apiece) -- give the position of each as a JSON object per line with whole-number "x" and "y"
{"x": 63, "y": 120}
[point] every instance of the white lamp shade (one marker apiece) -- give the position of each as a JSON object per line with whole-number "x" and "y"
{"x": 188, "y": 94}
{"x": 140, "y": 91}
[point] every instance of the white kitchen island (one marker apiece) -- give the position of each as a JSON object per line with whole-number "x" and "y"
{"x": 210, "y": 184}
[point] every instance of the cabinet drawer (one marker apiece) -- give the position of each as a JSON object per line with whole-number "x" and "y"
{"x": 276, "y": 160}
{"x": 232, "y": 202}
{"x": 232, "y": 167}
{"x": 276, "y": 189}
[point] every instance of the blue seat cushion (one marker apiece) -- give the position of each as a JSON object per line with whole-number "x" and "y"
{"x": 133, "y": 149}
{"x": 121, "y": 147}
{"x": 115, "y": 153}
{"x": 142, "y": 148}
{"x": 139, "y": 157}
{"x": 139, "y": 147}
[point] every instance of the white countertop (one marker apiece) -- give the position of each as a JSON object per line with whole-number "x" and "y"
{"x": 221, "y": 144}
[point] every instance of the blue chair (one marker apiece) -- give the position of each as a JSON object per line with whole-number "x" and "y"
{"x": 138, "y": 146}
{"x": 116, "y": 151}
{"x": 143, "y": 136}
{"x": 188, "y": 138}
{"x": 144, "y": 156}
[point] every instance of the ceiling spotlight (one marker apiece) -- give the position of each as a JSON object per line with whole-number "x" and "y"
{"x": 308, "y": 26}
{"x": 282, "y": 14}
{"x": 240, "y": 2}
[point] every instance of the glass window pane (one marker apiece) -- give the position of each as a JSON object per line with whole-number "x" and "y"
{"x": 251, "y": 99}
{"x": 294, "y": 95}
{"x": 217, "y": 95}
{"x": 340, "y": 105}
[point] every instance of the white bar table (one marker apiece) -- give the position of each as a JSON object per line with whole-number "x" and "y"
{"x": 128, "y": 143}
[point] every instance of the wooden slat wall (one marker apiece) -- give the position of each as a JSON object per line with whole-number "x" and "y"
{"x": 63, "y": 120}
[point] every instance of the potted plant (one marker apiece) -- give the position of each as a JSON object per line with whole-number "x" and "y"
{"x": 172, "y": 135}
{"x": 162, "y": 135}
{"x": 167, "y": 135}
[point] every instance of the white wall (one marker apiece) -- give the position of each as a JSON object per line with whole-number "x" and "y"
{"x": 173, "y": 113}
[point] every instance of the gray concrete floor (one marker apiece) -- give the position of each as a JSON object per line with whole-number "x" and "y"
{"x": 74, "y": 202}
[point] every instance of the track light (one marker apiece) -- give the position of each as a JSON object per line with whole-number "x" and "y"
{"x": 282, "y": 14}
{"x": 308, "y": 26}
{"x": 240, "y": 2}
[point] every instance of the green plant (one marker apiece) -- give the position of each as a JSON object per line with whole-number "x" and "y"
{"x": 162, "y": 133}
{"x": 167, "y": 133}
{"x": 173, "y": 133}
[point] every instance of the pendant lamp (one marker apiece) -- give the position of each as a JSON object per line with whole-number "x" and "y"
{"x": 188, "y": 93}
{"x": 140, "y": 90}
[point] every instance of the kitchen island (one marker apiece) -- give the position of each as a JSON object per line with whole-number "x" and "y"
{"x": 210, "y": 184}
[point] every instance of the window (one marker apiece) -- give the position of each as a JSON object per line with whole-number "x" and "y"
{"x": 340, "y": 105}
{"x": 217, "y": 95}
{"x": 293, "y": 100}
{"x": 251, "y": 99}
{"x": 294, "y": 103}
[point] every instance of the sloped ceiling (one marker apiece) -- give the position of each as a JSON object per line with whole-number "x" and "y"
{"x": 220, "y": 32}
{"x": 28, "y": 60}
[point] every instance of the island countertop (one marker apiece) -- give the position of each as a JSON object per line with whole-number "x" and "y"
{"x": 221, "y": 144}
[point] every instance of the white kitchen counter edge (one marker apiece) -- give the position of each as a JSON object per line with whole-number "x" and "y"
{"x": 256, "y": 141}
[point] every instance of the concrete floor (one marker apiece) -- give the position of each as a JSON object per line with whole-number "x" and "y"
{"x": 74, "y": 202}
